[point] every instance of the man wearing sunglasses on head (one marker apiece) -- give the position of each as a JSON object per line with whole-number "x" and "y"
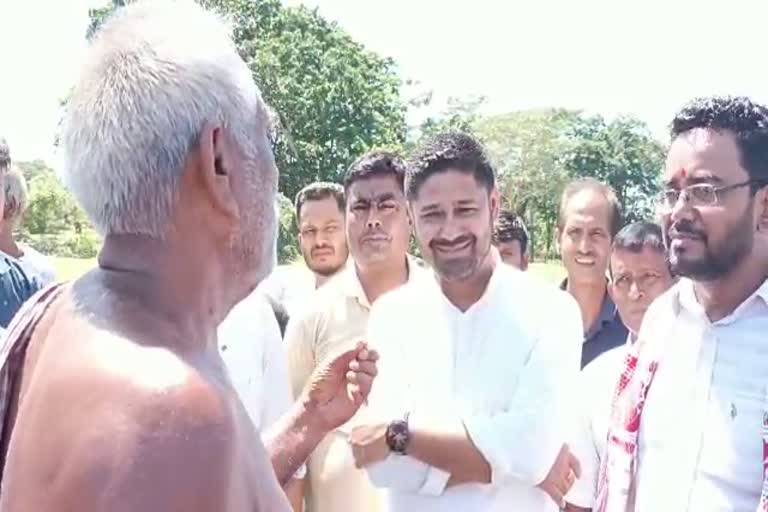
{"x": 689, "y": 423}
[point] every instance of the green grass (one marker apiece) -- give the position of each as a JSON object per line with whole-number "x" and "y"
{"x": 72, "y": 268}
{"x": 553, "y": 271}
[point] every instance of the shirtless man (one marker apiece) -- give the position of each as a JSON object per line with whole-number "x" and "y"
{"x": 123, "y": 403}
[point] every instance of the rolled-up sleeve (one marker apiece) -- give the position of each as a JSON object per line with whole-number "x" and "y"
{"x": 523, "y": 442}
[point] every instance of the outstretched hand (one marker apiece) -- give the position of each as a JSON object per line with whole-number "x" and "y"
{"x": 339, "y": 386}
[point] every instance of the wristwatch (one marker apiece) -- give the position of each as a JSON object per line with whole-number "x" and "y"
{"x": 398, "y": 436}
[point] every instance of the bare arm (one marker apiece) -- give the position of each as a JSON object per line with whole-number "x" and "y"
{"x": 335, "y": 391}
{"x": 295, "y": 492}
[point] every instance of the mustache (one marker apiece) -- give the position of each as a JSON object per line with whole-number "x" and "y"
{"x": 323, "y": 247}
{"x": 685, "y": 227}
{"x": 443, "y": 242}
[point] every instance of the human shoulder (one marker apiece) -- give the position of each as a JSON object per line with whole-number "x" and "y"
{"x": 663, "y": 309}
{"x": 533, "y": 293}
{"x": 605, "y": 368}
{"x": 157, "y": 431}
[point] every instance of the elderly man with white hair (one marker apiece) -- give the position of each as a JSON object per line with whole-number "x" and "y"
{"x": 16, "y": 200}
{"x": 17, "y": 282}
{"x": 113, "y": 394}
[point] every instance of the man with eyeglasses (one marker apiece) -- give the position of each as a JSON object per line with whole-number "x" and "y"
{"x": 689, "y": 421}
{"x": 640, "y": 273}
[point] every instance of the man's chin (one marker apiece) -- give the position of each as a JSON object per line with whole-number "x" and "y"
{"x": 325, "y": 270}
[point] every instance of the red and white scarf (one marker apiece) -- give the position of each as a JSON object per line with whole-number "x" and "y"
{"x": 618, "y": 466}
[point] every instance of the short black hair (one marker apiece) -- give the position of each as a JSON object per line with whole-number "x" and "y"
{"x": 639, "y": 235}
{"x": 449, "y": 150}
{"x": 509, "y": 227}
{"x": 318, "y": 191}
{"x": 739, "y": 115}
{"x": 376, "y": 163}
{"x": 601, "y": 188}
{"x": 5, "y": 154}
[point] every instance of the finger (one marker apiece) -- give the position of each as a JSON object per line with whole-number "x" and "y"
{"x": 557, "y": 497}
{"x": 575, "y": 466}
{"x": 367, "y": 367}
{"x": 343, "y": 359}
{"x": 363, "y": 382}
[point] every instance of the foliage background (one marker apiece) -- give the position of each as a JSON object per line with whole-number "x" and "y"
{"x": 333, "y": 100}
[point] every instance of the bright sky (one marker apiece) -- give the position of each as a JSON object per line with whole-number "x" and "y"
{"x": 608, "y": 56}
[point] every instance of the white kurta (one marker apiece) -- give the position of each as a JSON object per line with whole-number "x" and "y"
{"x": 700, "y": 446}
{"x": 503, "y": 369}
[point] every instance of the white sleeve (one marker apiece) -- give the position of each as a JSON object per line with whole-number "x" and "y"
{"x": 276, "y": 396}
{"x": 522, "y": 444}
{"x": 582, "y": 443}
{"x": 396, "y": 472}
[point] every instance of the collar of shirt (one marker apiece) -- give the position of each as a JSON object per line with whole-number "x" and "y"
{"x": 686, "y": 299}
{"x": 490, "y": 288}
{"x": 608, "y": 313}
{"x": 353, "y": 288}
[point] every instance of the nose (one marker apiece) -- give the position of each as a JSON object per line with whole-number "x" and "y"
{"x": 680, "y": 210}
{"x": 584, "y": 245}
{"x": 635, "y": 293}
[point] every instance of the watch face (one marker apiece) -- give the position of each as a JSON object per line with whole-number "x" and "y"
{"x": 398, "y": 436}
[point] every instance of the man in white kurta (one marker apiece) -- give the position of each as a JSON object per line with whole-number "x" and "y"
{"x": 469, "y": 411}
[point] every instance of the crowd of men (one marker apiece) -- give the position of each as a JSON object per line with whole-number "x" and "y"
{"x": 185, "y": 374}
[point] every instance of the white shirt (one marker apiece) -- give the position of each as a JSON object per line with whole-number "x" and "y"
{"x": 502, "y": 370}
{"x": 700, "y": 445}
{"x": 598, "y": 382}
{"x": 251, "y": 347}
{"x": 292, "y": 286}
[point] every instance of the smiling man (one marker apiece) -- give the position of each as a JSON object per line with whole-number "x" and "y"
{"x": 639, "y": 275}
{"x": 589, "y": 217}
{"x": 692, "y": 408}
{"x": 470, "y": 414}
{"x": 378, "y": 230}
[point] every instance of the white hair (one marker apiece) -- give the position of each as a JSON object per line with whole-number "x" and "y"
{"x": 155, "y": 74}
{"x": 15, "y": 195}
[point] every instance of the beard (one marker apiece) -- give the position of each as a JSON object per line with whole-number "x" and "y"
{"x": 321, "y": 270}
{"x": 718, "y": 260}
{"x": 463, "y": 267}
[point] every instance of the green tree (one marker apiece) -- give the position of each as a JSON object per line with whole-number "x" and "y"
{"x": 288, "y": 234}
{"x": 529, "y": 149}
{"x": 622, "y": 153}
{"x": 333, "y": 98}
{"x": 53, "y": 221}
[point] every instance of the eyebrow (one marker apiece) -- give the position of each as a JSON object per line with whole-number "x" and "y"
{"x": 705, "y": 178}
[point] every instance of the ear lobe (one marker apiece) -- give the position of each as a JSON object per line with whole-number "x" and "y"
{"x": 762, "y": 220}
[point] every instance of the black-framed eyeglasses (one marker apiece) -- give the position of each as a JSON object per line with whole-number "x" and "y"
{"x": 700, "y": 194}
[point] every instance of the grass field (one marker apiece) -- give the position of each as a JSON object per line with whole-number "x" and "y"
{"x": 72, "y": 268}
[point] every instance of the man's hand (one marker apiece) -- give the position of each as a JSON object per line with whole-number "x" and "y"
{"x": 369, "y": 444}
{"x": 338, "y": 387}
{"x": 560, "y": 478}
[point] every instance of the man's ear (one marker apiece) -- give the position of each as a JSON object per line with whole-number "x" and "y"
{"x": 762, "y": 210}
{"x": 494, "y": 204}
{"x": 212, "y": 168}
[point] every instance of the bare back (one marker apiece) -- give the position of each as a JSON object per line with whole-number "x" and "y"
{"x": 108, "y": 418}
